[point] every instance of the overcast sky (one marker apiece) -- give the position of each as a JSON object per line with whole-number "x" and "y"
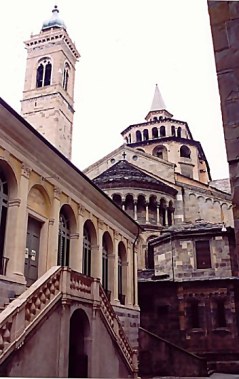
{"x": 126, "y": 47}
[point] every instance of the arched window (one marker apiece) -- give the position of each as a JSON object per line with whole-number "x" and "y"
{"x": 138, "y": 136}
{"x": 66, "y": 76}
{"x": 126, "y": 139}
{"x": 185, "y": 152}
{"x": 63, "y": 240}
{"x": 44, "y": 70}
{"x": 129, "y": 138}
{"x": 173, "y": 130}
{"x": 3, "y": 216}
{"x": 117, "y": 199}
{"x": 155, "y": 119}
{"x": 179, "y": 132}
{"x": 155, "y": 133}
{"x": 86, "y": 252}
{"x": 162, "y": 131}
{"x": 105, "y": 266}
{"x": 146, "y": 134}
{"x": 160, "y": 152}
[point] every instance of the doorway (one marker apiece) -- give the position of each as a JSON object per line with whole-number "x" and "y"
{"x": 32, "y": 250}
{"x": 78, "y": 357}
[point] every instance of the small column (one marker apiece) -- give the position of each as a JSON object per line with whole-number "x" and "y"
{"x": 166, "y": 215}
{"x": 129, "y": 276}
{"x": 115, "y": 294}
{"x": 17, "y": 228}
{"x": 97, "y": 252}
{"x": 123, "y": 203}
{"x": 135, "y": 279}
{"x": 147, "y": 212}
{"x": 135, "y": 209}
{"x": 54, "y": 229}
{"x": 157, "y": 214}
{"x": 77, "y": 252}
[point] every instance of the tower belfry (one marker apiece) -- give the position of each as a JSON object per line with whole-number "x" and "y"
{"x": 48, "y": 95}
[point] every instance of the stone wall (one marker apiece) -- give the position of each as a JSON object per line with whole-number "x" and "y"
{"x": 177, "y": 258}
{"x": 224, "y": 18}
{"x": 130, "y": 321}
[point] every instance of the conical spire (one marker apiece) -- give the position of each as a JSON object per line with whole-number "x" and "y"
{"x": 157, "y": 103}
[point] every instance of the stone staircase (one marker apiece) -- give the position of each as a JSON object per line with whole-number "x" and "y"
{"x": 168, "y": 359}
{"x": 59, "y": 284}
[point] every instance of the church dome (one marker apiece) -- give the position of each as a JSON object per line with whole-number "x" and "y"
{"x": 54, "y": 22}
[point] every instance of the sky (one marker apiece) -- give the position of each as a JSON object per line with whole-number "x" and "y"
{"x": 126, "y": 47}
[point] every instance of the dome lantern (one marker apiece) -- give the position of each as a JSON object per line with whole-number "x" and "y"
{"x": 54, "y": 22}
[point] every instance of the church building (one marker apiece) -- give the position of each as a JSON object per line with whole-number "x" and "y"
{"x": 188, "y": 269}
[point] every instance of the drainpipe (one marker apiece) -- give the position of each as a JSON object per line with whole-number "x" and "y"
{"x": 134, "y": 243}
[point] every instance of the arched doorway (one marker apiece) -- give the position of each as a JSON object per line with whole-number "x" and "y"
{"x": 78, "y": 349}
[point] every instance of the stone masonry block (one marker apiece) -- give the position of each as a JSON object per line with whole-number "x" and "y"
{"x": 219, "y": 11}
{"x": 220, "y": 39}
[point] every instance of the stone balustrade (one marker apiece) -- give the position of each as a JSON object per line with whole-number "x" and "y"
{"x": 25, "y": 312}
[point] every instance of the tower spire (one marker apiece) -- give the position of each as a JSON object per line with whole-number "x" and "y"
{"x": 158, "y": 102}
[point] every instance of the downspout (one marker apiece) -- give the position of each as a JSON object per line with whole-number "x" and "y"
{"x": 134, "y": 243}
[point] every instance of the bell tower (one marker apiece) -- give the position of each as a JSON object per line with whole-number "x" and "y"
{"x": 48, "y": 95}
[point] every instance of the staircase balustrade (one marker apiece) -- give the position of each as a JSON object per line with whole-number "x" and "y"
{"x": 23, "y": 313}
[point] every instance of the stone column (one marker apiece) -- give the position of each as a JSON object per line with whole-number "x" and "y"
{"x": 135, "y": 279}
{"x": 17, "y": 228}
{"x": 54, "y": 229}
{"x": 115, "y": 294}
{"x": 123, "y": 203}
{"x": 97, "y": 250}
{"x": 147, "y": 212}
{"x": 129, "y": 276}
{"x": 135, "y": 209}
{"x": 158, "y": 218}
{"x": 77, "y": 251}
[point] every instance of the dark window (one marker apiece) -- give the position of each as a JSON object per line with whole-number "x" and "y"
{"x": 173, "y": 130}
{"x": 120, "y": 280}
{"x": 185, "y": 151}
{"x": 43, "y": 77}
{"x": 86, "y": 253}
{"x": 162, "y": 131}
{"x": 155, "y": 133}
{"x": 179, "y": 132}
{"x": 146, "y": 134}
{"x": 194, "y": 314}
{"x": 220, "y": 313}
{"x": 3, "y": 216}
{"x": 65, "y": 76}
{"x": 105, "y": 267}
{"x": 150, "y": 258}
{"x": 47, "y": 79}
{"x": 203, "y": 255}
{"x": 138, "y": 136}
{"x": 63, "y": 241}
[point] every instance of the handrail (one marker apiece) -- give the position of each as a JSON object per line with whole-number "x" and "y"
{"x": 114, "y": 323}
{"x": 20, "y": 316}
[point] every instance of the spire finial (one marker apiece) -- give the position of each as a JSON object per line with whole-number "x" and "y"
{"x": 157, "y": 103}
{"x": 55, "y": 9}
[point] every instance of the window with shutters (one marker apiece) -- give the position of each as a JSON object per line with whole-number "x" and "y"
{"x": 203, "y": 254}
